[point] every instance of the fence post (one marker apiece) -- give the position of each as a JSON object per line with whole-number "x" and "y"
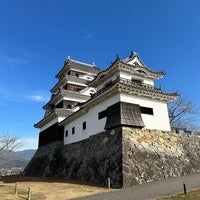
{"x": 184, "y": 188}
{"x": 29, "y": 193}
{"x": 16, "y": 188}
{"x": 108, "y": 183}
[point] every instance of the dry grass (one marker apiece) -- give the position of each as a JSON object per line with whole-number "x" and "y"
{"x": 45, "y": 188}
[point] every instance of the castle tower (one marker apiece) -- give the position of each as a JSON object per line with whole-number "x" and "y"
{"x": 125, "y": 96}
{"x": 101, "y": 124}
{"x": 70, "y": 90}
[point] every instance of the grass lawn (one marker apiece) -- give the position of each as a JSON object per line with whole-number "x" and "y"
{"x": 193, "y": 195}
{"x": 45, "y": 188}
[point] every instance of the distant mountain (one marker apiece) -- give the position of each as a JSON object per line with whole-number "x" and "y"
{"x": 16, "y": 159}
{"x": 26, "y": 154}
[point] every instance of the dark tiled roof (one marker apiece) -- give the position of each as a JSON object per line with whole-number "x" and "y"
{"x": 55, "y": 113}
{"x": 69, "y": 63}
{"x": 120, "y": 64}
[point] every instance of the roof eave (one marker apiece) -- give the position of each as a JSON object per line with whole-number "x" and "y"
{"x": 167, "y": 97}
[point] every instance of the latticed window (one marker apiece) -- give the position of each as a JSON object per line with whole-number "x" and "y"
{"x": 72, "y": 87}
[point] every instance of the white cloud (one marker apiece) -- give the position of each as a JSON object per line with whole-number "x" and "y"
{"x": 7, "y": 94}
{"x": 39, "y": 96}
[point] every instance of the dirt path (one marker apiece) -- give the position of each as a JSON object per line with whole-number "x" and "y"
{"x": 47, "y": 188}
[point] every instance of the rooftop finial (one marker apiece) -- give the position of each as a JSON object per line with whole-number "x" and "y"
{"x": 68, "y": 58}
{"x": 117, "y": 57}
{"x": 132, "y": 54}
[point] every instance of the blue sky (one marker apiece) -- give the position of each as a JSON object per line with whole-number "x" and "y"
{"x": 37, "y": 36}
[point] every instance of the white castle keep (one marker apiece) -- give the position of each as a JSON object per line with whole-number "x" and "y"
{"x": 86, "y": 100}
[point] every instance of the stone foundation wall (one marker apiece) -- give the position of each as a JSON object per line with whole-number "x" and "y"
{"x": 96, "y": 159}
{"x": 150, "y": 155}
{"x": 93, "y": 160}
{"x": 47, "y": 161}
{"x": 128, "y": 156}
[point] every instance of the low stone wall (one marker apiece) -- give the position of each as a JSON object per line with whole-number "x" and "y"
{"x": 128, "y": 156}
{"x": 150, "y": 155}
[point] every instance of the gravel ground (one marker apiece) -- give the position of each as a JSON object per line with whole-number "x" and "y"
{"x": 151, "y": 190}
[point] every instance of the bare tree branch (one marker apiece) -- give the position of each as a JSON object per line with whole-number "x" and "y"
{"x": 183, "y": 114}
{"x": 8, "y": 143}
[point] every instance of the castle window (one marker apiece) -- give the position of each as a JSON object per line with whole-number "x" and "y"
{"x": 145, "y": 110}
{"x": 66, "y": 133}
{"x": 102, "y": 114}
{"x": 136, "y": 81}
{"x": 84, "y": 125}
{"x": 73, "y": 87}
{"x": 142, "y": 72}
{"x": 73, "y": 73}
{"x": 77, "y": 75}
{"x": 73, "y": 130}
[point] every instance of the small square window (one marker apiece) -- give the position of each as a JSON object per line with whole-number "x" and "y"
{"x": 84, "y": 125}
{"x": 145, "y": 110}
{"x": 102, "y": 114}
{"x": 73, "y": 130}
{"x": 66, "y": 133}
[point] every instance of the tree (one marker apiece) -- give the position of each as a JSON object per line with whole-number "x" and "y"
{"x": 8, "y": 143}
{"x": 183, "y": 113}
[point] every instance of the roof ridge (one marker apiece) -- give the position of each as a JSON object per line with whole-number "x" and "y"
{"x": 80, "y": 62}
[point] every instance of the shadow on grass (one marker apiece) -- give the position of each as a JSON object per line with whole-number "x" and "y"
{"x": 21, "y": 197}
{"x": 21, "y": 178}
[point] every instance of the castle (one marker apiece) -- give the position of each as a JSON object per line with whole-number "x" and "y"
{"x": 87, "y": 101}
{"x": 111, "y": 123}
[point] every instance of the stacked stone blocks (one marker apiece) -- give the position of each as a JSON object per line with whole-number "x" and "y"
{"x": 128, "y": 156}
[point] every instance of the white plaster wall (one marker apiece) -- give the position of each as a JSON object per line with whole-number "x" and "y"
{"x": 87, "y": 91}
{"x": 72, "y": 99}
{"x": 148, "y": 81}
{"x": 53, "y": 121}
{"x": 76, "y": 83}
{"x": 124, "y": 75}
{"x": 135, "y": 60}
{"x": 87, "y": 77}
{"x": 93, "y": 124}
{"x": 159, "y": 120}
